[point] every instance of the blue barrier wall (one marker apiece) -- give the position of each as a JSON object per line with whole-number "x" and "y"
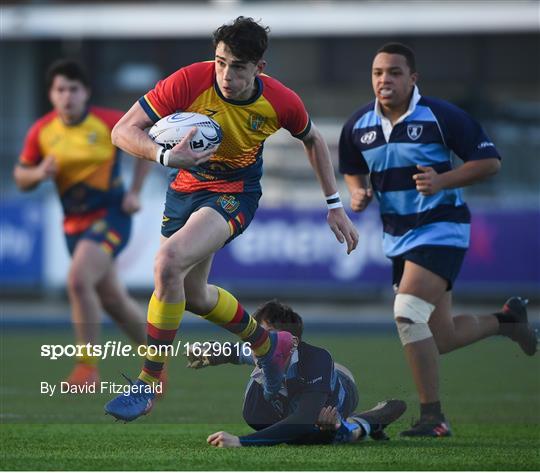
{"x": 283, "y": 251}
{"x": 289, "y": 249}
{"x": 21, "y": 242}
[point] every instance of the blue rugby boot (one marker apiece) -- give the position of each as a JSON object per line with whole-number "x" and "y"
{"x": 274, "y": 363}
{"x": 129, "y": 406}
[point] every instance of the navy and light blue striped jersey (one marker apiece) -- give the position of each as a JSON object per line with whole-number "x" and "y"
{"x": 313, "y": 369}
{"x": 427, "y": 135}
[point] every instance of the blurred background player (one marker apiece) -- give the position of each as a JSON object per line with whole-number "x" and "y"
{"x": 403, "y": 141}
{"x": 213, "y": 197}
{"x": 72, "y": 145}
{"x": 316, "y": 400}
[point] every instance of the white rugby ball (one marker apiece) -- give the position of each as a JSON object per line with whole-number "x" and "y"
{"x": 170, "y": 130}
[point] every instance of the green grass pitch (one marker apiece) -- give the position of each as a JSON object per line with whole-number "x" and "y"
{"x": 491, "y": 394}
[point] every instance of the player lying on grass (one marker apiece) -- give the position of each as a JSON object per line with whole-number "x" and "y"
{"x": 315, "y": 403}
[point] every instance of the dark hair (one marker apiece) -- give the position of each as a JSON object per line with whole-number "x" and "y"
{"x": 281, "y": 317}
{"x": 402, "y": 50}
{"x": 68, "y": 68}
{"x": 246, "y": 39}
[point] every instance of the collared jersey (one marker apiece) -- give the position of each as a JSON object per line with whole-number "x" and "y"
{"x": 311, "y": 369}
{"x": 427, "y": 136}
{"x": 88, "y": 178}
{"x": 237, "y": 164}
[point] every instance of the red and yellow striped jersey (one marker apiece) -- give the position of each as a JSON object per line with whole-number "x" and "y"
{"x": 88, "y": 178}
{"x": 237, "y": 164}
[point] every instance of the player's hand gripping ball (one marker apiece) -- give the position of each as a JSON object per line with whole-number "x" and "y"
{"x": 170, "y": 130}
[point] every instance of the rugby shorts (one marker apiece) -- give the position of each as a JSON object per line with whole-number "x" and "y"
{"x": 237, "y": 209}
{"x": 111, "y": 232}
{"x": 445, "y": 261}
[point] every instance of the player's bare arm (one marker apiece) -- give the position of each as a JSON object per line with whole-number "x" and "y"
{"x": 28, "y": 178}
{"x": 223, "y": 440}
{"x": 131, "y": 202}
{"x": 428, "y": 182}
{"x": 319, "y": 157}
{"x": 198, "y": 359}
{"x": 360, "y": 191}
{"x": 130, "y": 135}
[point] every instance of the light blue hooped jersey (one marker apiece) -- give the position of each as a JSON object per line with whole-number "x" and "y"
{"x": 426, "y": 135}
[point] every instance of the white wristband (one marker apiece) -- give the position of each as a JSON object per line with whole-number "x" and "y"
{"x": 333, "y": 201}
{"x": 162, "y": 156}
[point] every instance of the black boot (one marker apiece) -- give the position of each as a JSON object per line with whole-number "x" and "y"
{"x": 380, "y": 416}
{"x": 514, "y": 324}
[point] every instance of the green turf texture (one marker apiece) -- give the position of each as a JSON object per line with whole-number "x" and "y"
{"x": 490, "y": 393}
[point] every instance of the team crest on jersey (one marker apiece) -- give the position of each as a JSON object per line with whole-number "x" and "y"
{"x": 368, "y": 138}
{"x": 414, "y": 131}
{"x": 255, "y": 122}
{"x": 229, "y": 203}
{"x": 92, "y": 138}
{"x": 99, "y": 227}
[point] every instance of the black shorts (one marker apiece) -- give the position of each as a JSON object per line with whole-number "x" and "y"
{"x": 445, "y": 261}
{"x": 350, "y": 402}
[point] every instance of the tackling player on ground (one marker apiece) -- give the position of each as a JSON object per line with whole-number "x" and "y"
{"x": 214, "y": 195}
{"x": 72, "y": 145}
{"x": 403, "y": 142}
{"x": 316, "y": 401}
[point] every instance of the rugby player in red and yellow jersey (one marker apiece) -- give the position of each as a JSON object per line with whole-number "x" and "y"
{"x": 72, "y": 145}
{"x": 215, "y": 194}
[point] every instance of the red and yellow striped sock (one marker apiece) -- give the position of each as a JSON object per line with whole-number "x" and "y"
{"x": 86, "y": 358}
{"x": 229, "y": 313}
{"x": 162, "y": 323}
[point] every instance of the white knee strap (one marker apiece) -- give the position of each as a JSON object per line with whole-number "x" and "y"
{"x": 417, "y": 311}
{"x": 413, "y": 308}
{"x": 410, "y": 333}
